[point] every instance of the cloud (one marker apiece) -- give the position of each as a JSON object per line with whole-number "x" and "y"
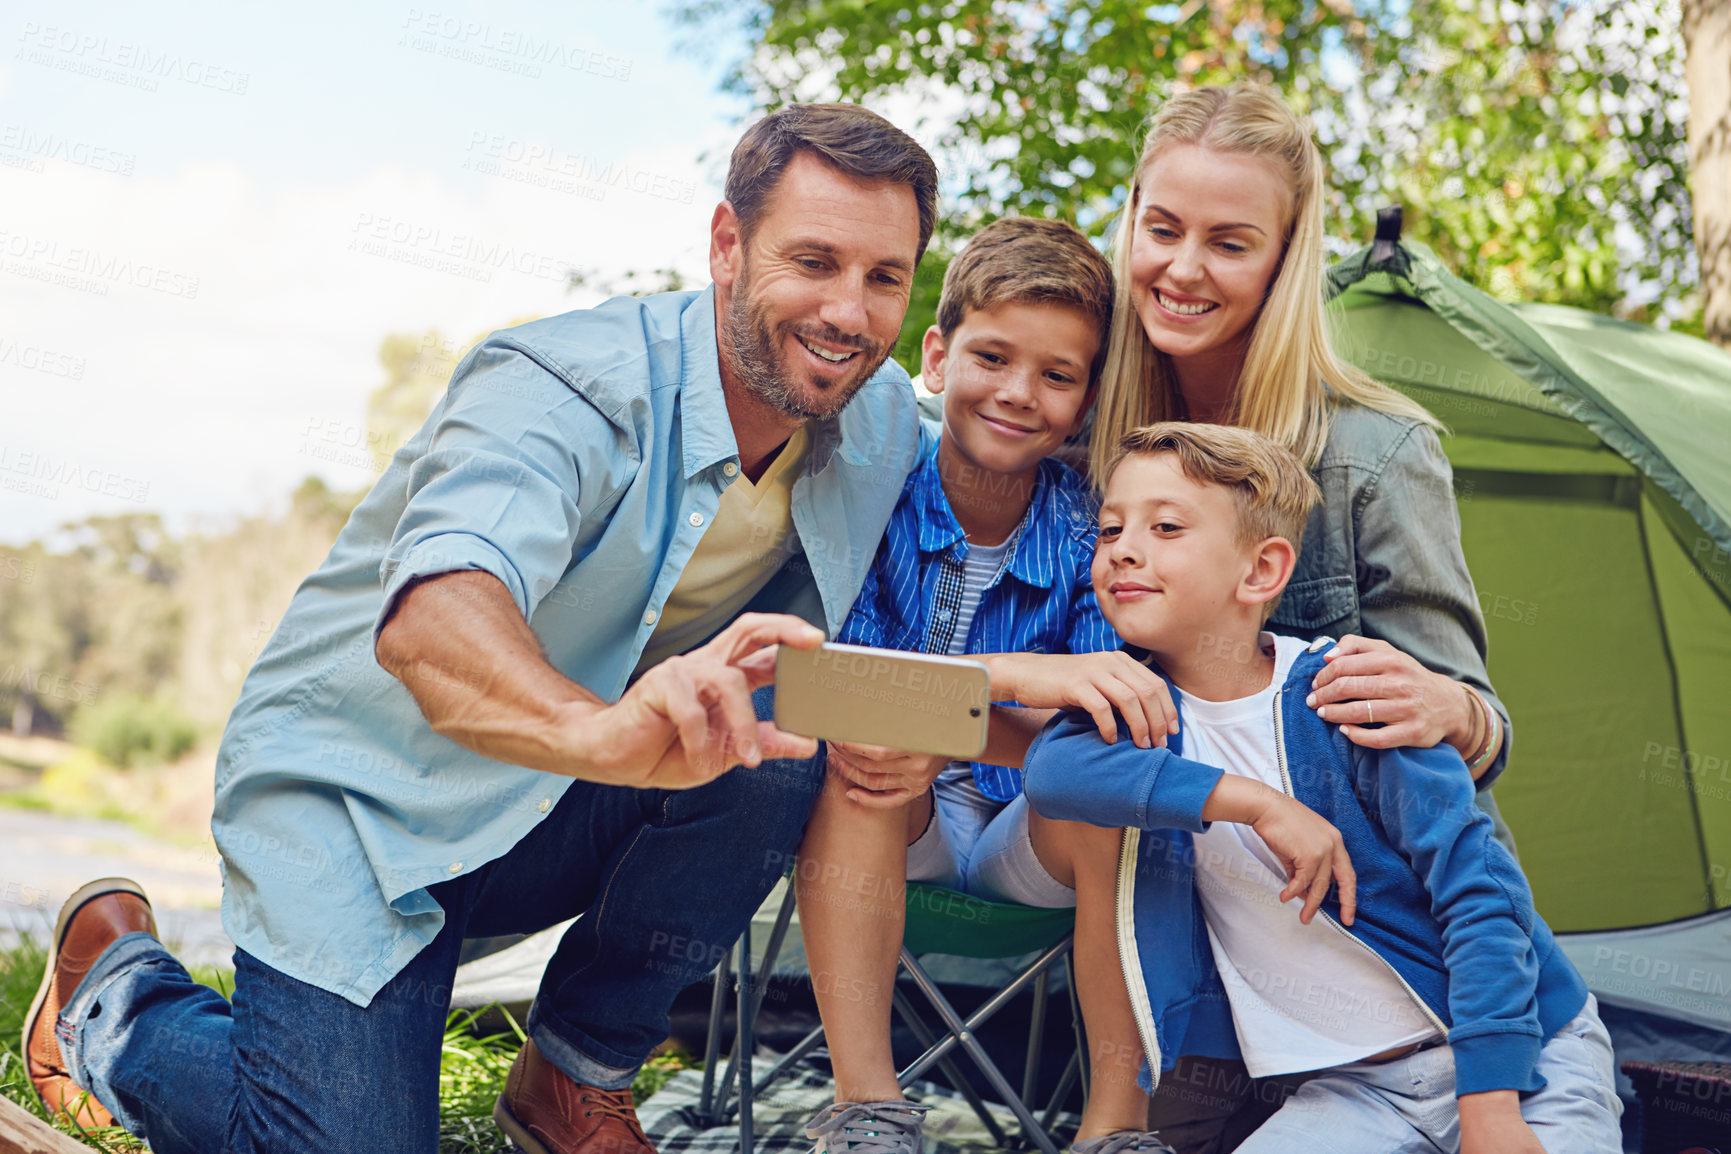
{"x": 166, "y": 341}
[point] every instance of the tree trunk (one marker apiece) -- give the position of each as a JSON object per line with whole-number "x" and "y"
{"x": 1707, "y": 38}
{"x": 23, "y": 716}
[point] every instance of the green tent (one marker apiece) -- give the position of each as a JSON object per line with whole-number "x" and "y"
{"x": 1592, "y": 463}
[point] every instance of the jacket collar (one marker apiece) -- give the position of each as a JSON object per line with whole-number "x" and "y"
{"x": 939, "y": 531}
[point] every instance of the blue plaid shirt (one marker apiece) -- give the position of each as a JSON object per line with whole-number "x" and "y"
{"x": 1040, "y": 602}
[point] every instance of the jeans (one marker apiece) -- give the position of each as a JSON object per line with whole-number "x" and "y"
{"x": 1409, "y": 1104}
{"x": 664, "y": 882}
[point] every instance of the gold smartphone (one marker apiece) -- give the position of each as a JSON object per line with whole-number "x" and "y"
{"x": 918, "y": 702}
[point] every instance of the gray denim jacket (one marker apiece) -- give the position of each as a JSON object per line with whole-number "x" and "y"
{"x": 1382, "y": 556}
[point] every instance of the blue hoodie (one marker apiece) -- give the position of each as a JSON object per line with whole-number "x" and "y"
{"x": 1439, "y": 899}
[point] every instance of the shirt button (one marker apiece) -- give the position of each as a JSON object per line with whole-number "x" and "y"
{"x": 456, "y": 867}
{"x": 546, "y": 804}
{"x": 696, "y": 519}
{"x": 649, "y": 617}
{"x": 730, "y": 469}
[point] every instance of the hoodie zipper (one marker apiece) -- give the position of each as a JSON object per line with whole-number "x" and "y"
{"x": 1130, "y": 957}
{"x": 1286, "y": 785}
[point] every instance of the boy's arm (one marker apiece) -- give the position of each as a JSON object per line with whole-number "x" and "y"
{"x": 1072, "y": 774}
{"x": 1425, "y": 801}
{"x": 1110, "y": 687}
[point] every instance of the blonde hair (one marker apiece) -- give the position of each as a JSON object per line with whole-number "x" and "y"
{"x": 1272, "y": 490}
{"x": 1291, "y": 367}
{"x": 1027, "y": 260}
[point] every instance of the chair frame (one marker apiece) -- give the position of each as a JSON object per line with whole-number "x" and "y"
{"x": 737, "y": 1089}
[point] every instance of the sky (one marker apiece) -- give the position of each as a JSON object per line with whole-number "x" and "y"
{"x": 212, "y": 214}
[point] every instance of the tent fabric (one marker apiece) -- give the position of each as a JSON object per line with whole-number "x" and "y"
{"x": 1680, "y": 971}
{"x": 1593, "y": 483}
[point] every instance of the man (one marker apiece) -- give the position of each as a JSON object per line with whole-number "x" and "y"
{"x": 483, "y": 712}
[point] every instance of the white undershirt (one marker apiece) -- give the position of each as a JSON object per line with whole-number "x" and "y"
{"x": 1303, "y": 997}
{"x": 978, "y": 568}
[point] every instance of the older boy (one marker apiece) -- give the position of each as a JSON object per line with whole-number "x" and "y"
{"x": 1445, "y": 1018}
{"x": 987, "y": 553}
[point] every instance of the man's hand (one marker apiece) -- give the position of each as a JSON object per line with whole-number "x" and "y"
{"x": 458, "y": 643}
{"x": 880, "y": 778}
{"x": 1491, "y": 1123}
{"x": 690, "y": 718}
{"x": 1096, "y": 682}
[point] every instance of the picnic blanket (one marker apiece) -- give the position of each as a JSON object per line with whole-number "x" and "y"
{"x": 670, "y": 1118}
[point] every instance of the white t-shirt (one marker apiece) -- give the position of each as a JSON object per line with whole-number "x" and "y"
{"x": 1303, "y": 997}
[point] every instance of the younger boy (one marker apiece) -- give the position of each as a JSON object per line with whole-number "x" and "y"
{"x": 986, "y": 554}
{"x": 1445, "y": 1018}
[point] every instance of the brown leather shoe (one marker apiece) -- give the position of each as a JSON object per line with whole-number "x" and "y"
{"x": 544, "y": 1112}
{"x": 89, "y": 922}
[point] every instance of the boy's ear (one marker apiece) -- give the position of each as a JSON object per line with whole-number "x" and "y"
{"x": 1271, "y": 564}
{"x": 932, "y": 353}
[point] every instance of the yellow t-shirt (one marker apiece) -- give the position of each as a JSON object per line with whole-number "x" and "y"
{"x": 744, "y": 546}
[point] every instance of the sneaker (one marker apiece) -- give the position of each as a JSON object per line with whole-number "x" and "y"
{"x": 868, "y": 1128}
{"x": 1123, "y": 1142}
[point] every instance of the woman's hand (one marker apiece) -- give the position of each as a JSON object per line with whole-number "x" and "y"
{"x": 1368, "y": 682}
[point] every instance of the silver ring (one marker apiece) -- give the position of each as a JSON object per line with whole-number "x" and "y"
{"x": 1369, "y": 714}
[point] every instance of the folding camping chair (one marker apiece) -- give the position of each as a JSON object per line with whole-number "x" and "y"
{"x": 939, "y": 921}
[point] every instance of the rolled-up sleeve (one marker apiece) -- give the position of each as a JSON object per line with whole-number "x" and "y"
{"x": 496, "y": 487}
{"x": 1416, "y": 592}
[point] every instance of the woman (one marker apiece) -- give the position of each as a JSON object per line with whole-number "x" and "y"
{"x": 1220, "y": 317}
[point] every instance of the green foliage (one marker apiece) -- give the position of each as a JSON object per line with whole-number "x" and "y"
{"x": 472, "y": 1067}
{"x": 922, "y": 313}
{"x": 658, "y": 1071}
{"x": 129, "y": 729}
{"x": 95, "y": 613}
{"x": 1538, "y": 146}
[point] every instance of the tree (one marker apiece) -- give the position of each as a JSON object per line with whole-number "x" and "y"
{"x": 1539, "y": 146}
{"x": 1707, "y": 30}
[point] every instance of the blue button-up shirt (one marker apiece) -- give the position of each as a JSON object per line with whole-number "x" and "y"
{"x": 576, "y": 459}
{"x": 1042, "y": 601}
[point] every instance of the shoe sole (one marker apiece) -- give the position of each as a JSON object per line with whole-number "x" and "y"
{"x": 81, "y": 897}
{"x": 515, "y": 1130}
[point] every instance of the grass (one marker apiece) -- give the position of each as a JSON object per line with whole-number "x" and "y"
{"x": 472, "y": 1066}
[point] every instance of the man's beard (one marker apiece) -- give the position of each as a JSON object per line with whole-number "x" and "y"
{"x": 762, "y": 369}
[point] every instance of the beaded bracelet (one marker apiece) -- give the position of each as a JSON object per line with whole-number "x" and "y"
{"x": 1493, "y": 733}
